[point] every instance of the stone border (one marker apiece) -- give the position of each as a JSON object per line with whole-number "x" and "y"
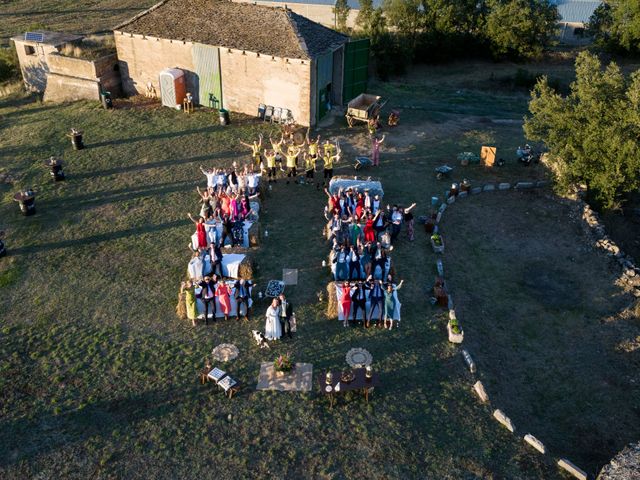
{"x": 595, "y": 231}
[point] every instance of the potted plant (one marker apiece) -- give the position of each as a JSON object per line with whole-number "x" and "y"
{"x": 283, "y": 364}
{"x": 456, "y": 334}
{"x": 437, "y": 243}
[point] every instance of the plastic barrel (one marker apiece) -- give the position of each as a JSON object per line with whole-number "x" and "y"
{"x": 224, "y": 117}
{"x": 105, "y": 98}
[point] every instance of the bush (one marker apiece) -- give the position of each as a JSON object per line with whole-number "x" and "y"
{"x": 9, "y": 65}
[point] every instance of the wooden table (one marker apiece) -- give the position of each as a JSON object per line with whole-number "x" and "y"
{"x": 359, "y": 383}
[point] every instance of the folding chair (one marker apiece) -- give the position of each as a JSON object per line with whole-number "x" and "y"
{"x": 287, "y": 116}
{"x": 261, "y": 109}
{"x": 277, "y": 115}
{"x": 268, "y": 113}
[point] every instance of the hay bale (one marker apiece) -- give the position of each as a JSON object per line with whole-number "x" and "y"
{"x": 181, "y": 307}
{"x": 246, "y": 268}
{"x": 332, "y": 301}
{"x": 254, "y": 234}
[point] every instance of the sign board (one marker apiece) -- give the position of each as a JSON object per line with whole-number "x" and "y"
{"x": 488, "y": 156}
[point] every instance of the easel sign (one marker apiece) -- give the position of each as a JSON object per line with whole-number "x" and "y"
{"x": 488, "y": 156}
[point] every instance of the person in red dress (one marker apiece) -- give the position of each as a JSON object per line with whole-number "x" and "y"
{"x": 346, "y": 302}
{"x": 223, "y": 292}
{"x": 200, "y": 230}
{"x": 359, "y": 206}
{"x": 369, "y": 233}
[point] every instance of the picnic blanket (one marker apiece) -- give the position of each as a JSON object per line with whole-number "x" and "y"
{"x": 359, "y": 184}
{"x": 376, "y": 313}
{"x": 234, "y": 306}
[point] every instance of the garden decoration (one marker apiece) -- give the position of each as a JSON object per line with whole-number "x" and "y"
{"x": 437, "y": 243}
{"x": 225, "y": 352}
{"x": 274, "y": 288}
{"x": 283, "y": 364}
{"x": 358, "y": 358}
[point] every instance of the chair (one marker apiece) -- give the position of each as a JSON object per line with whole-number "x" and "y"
{"x": 268, "y": 113}
{"x": 287, "y": 116}
{"x": 277, "y": 115}
{"x": 261, "y": 109}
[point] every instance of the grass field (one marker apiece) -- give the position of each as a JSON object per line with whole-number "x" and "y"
{"x": 99, "y": 378}
{"x": 90, "y": 16}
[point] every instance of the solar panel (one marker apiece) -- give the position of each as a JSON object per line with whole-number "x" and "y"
{"x": 34, "y": 37}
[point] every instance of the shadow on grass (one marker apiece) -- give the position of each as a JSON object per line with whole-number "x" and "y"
{"x": 97, "y": 419}
{"x": 103, "y": 237}
{"x": 158, "y": 136}
{"x": 162, "y": 163}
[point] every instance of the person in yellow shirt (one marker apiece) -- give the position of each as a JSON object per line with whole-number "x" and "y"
{"x": 270, "y": 157}
{"x": 292, "y": 160}
{"x": 256, "y": 151}
{"x": 309, "y": 166}
{"x": 277, "y": 149}
{"x": 328, "y": 160}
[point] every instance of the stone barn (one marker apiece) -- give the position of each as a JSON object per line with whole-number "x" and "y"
{"x": 238, "y": 56}
{"x": 33, "y": 55}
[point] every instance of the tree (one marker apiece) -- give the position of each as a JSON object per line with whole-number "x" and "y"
{"x": 592, "y": 132}
{"x": 406, "y": 17}
{"x": 365, "y": 16}
{"x": 341, "y": 11}
{"x": 520, "y": 28}
{"x": 616, "y": 25}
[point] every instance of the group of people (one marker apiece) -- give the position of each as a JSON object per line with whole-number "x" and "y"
{"x": 290, "y": 157}
{"x": 213, "y": 293}
{"x": 280, "y": 320}
{"x": 380, "y": 296}
{"x": 362, "y": 233}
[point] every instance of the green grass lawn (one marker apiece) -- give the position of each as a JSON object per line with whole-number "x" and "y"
{"x": 99, "y": 377}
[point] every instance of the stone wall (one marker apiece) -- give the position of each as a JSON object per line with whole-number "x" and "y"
{"x": 248, "y": 79}
{"x": 71, "y": 78}
{"x": 34, "y": 66}
{"x": 141, "y": 59}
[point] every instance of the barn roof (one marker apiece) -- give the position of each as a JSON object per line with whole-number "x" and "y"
{"x": 243, "y": 26}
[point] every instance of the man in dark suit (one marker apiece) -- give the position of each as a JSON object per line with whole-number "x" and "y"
{"x": 286, "y": 311}
{"x": 242, "y": 296}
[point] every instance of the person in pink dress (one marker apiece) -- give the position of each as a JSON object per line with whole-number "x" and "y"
{"x": 223, "y": 293}
{"x": 375, "y": 150}
{"x": 200, "y": 231}
{"x": 346, "y": 302}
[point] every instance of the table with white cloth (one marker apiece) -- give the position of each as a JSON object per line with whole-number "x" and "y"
{"x": 199, "y": 268}
{"x": 359, "y": 316}
{"x": 233, "y": 312}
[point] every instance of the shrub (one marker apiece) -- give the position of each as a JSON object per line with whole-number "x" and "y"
{"x": 9, "y": 65}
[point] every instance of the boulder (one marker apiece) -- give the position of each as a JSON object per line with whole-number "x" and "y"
{"x": 480, "y": 391}
{"x": 504, "y": 420}
{"x": 572, "y": 469}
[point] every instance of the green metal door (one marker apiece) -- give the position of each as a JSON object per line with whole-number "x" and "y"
{"x": 206, "y": 62}
{"x": 356, "y": 69}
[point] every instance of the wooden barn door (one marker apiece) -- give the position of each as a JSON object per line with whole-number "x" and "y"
{"x": 356, "y": 69}
{"x": 206, "y": 62}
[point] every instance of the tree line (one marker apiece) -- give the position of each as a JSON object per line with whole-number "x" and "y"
{"x": 406, "y": 31}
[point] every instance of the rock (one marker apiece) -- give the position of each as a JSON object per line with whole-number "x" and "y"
{"x": 463, "y": 194}
{"x": 625, "y": 465}
{"x": 450, "y": 303}
{"x": 438, "y": 217}
{"x": 489, "y": 187}
{"x": 524, "y": 185}
{"x": 535, "y": 443}
{"x": 572, "y": 469}
{"x": 442, "y": 208}
{"x": 479, "y": 389}
{"x": 504, "y": 186}
{"x": 504, "y": 420}
{"x": 469, "y": 361}
{"x": 476, "y": 190}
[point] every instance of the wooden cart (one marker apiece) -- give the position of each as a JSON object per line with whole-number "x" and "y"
{"x": 363, "y": 108}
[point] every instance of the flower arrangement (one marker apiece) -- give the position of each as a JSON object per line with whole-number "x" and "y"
{"x": 455, "y": 326}
{"x": 283, "y": 363}
{"x": 436, "y": 239}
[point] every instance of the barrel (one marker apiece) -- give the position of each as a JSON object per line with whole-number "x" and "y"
{"x": 105, "y": 98}
{"x": 224, "y": 117}
{"x": 76, "y": 141}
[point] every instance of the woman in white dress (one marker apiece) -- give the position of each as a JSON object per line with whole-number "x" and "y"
{"x": 272, "y": 328}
